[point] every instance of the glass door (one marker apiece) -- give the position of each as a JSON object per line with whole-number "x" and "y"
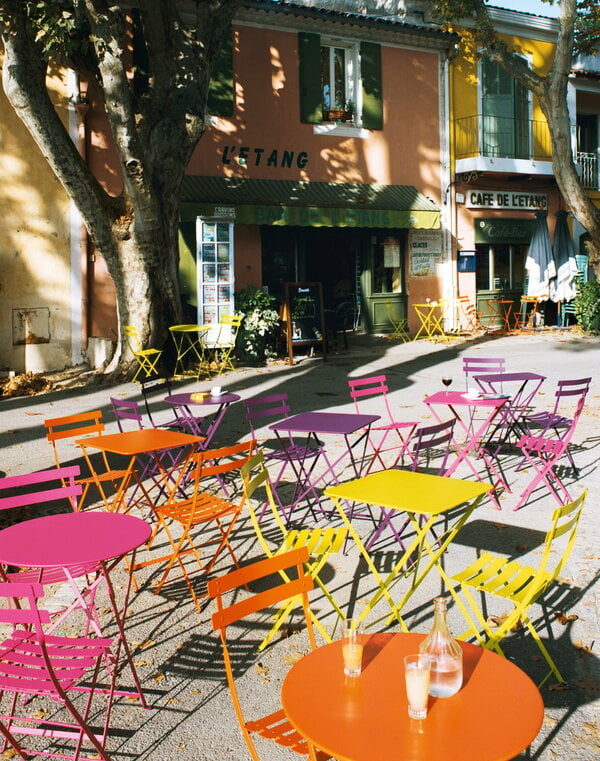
{"x": 215, "y": 270}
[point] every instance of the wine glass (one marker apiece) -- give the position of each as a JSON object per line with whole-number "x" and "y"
{"x": 446, "y": 380}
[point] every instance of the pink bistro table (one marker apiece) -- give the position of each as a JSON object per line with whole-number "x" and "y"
{"x": 95, "y": 540}
{"x": 457, "y": 401}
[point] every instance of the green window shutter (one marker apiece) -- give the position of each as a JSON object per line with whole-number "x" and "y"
{"x": 309, "y": 51}
{"x": 220, "y": 92}
{"x": 372, "y": 98}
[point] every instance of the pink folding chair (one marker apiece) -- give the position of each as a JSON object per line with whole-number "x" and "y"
{"x": 47, "y": 487}
{"x": 54, "y": 669}
{"x": 560, "y": 419}
{"x": 285, "y": 450}
{"x": 542, "y": 454}
{"x": 376, "y": 386}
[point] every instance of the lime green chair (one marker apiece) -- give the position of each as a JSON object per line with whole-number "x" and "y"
{"x": 518, "y": 584}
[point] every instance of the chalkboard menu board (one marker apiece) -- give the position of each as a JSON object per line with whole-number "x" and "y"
{"x": 303, "y": 316}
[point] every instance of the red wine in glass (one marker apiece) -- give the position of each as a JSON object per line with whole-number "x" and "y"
{"x": 446, "y": 380}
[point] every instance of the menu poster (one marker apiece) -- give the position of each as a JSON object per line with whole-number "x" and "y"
{"x": 303, "y": 316}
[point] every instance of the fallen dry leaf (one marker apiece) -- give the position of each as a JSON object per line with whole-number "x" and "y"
{"x": 558, "y": 687}
{"x": 521, "y": 547}
{"x": 260, "y": 669}
{"x": 564, "y": 619}
{"x": 159, "y": 678}
{"x": 589, "y": 685}
{"x": 291, "y": 658}
{"x": 582, "y": 648}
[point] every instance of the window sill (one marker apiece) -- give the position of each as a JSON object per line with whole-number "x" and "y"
{"x": 340, "y": 129}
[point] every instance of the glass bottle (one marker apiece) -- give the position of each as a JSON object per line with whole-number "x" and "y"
{"x": 446, "y": 666}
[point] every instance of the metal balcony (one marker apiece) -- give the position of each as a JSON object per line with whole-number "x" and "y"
{"x": 589, "y": 164}
{"x": 502, "y": 137}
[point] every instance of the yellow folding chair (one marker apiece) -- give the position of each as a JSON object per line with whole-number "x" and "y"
{"x": 399, "y": 324}
{"x": 147, "y": 359}
{"x": 516, "y": 583}
{"x": 321, "y": 543}
{"x": 224, "y": 344}
{"x": 234, "y": 585}
{"x": 180, "y": 517}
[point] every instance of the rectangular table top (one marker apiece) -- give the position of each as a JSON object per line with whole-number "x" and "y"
{"x": 457, "y": 398}
{"x": 411, "y": 492}
{"x": 325, "y": 422}
{"x": 143, "y": 440}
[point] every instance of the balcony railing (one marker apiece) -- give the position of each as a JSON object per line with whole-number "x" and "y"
{"x": 502, "y": 137}
{"x": 590, "y": 169}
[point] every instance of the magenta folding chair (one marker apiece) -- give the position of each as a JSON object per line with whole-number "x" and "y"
{"x": 57, "y": 486}
{"x": 51, "y": 669}
{"x": 560, "y": 419}
{"x": 285, "y": 450}
{"x": 375, "y": 386}
{"x": 542, "y": 454}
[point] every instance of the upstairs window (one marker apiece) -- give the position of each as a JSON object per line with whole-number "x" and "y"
{"x": 338, "y": 67}
{"x": 505, "y": 120}
{"x": 340, "y": 81}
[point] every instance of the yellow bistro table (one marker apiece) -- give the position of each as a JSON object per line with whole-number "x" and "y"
{"x": 189, "y": 345}
{"x": 431, "y": 321}
{"x": 423, "y": 498}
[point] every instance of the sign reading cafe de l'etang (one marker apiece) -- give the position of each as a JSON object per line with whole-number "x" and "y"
{"x": 502, "y": 199}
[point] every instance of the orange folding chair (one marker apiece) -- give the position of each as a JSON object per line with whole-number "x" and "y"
{"x": 274, "y": 726}
{"x": 73, "y": 427}
{"x": 179, "y": 517}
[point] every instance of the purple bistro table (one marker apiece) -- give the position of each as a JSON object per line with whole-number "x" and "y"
{"x": 314, "y": 424}
{"x": 183, "y": 402}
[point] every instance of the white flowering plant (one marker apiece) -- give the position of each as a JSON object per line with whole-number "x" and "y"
{"x": 260, "y": 326}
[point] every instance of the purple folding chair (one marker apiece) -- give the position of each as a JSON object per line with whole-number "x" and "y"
{"x": 473, "y": 366}
{"x": 284, "y": 450}
{"x": 376, "y": 386}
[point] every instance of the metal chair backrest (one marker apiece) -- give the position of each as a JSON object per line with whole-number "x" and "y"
{"x": 473, "y": 366}
{"x": 40, "y": 488}
{"x": 125, "y": 409}
{"x": 583, "y": 263}
{"x": 372, "y": 386}
{"x": 156, "y": 389}
{"x": 432, "y": 440}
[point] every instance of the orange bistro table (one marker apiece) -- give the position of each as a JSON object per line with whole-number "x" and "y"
{"x": 132, "y": 444}
{"x": 497, "y": 713}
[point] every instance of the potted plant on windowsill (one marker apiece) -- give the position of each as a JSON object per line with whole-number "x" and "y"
{"x": 339, "y": 114}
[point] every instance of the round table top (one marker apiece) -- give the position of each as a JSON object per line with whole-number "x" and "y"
{"x": 70, "y": 539}
{"x": 497, "y": 713}
{"x": 226, "y": 397}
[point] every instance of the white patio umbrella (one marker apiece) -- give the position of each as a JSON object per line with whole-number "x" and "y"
{"x": 540, "y": 262}
{"x": 562, "y": 288}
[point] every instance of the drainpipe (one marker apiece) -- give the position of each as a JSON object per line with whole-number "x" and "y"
{"x": 78, "y": 109}
{"x": 450, "y": 285}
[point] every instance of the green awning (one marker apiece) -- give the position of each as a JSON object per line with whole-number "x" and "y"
{"x": 307, "y": 204}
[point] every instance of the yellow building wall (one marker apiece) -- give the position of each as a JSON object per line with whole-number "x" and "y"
{"x": 464, "y": 76}
{"x": 35, "y": 269}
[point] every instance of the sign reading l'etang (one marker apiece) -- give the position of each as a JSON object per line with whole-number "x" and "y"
{"x": 502, "y": 199}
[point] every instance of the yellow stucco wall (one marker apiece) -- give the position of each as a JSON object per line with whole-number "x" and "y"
{"x": 35, "y": 293}
{"x": 464, "y": 74}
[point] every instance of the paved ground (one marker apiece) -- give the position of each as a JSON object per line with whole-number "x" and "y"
{"x": 178, "y": 656}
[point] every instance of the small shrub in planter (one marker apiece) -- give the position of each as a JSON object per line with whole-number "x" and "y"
{"x": 587, "y": 306}
{"x": 258, "y": 332}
